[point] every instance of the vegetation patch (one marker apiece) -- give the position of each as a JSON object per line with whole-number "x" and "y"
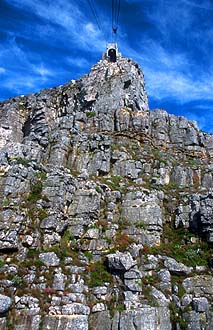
{"x": 141, "y": 225}
{"x": 67, "y": 241}
{"x": 122, "y": 241}
{"x": 35, "y": 193}
{"x": 114, "y": 182}
{"x": 176, "y": 317}
{"x": 18, "y": 281}
{"x": 177, "y": 244}
{"x": 90, "y": 114}
{"x": 98, "y": 274}
{"x": 20, "y": 160}
{"x": 35, "y": 212}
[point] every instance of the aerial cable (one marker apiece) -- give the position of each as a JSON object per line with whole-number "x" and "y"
{"x": 94, "y": 12}
{"x": 116, "y": 4}
{"x": 118, "y": 11}
{"x": 112, "y": 14}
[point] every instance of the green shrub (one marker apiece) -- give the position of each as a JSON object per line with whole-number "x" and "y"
{"x": 88, "y": 254}
{"x": 17, "y": 280}
{"x": 31, "y": 253}
{"x": 35, "y": 193}
{"x": 176, "y": 317}
{"x": 21, "y": 161}
{"x": 34, "y": 212}
{"x": 176, "y": 244}
{"x": 67, "y": 240}
{"x": 114, "y": 182}
{"x": 193, "y": 162}
{"x": 120, "y": 308}
{"x": 141, "y": 225}
{"x": 41, "y": 175}
{"x": 90, "y": 114}
{"x": 98, "y": 274}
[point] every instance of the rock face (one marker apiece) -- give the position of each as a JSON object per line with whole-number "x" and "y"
{"x": 106, "y": 217}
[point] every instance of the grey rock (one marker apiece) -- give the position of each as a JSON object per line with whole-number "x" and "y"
{"x": 75, "y": 308}
{"x": 99, "y": 290}
{"x": 61, "y": 322}
{"x": 176, "y": 267}
{"x": 5, "y": 303}
{"x": 143, "y": 210}
{"x": 28, "y": 302}
{"x": 49, "y": 259}
{"x": 73, "y": 297}
{"x": 149, "y": 318}
{"x": 132, "y": 300}
{"x": 77, "y": 287}
{"x": 27, "y": 320}
{"x": 132, "y": 280}
{"x": 92, "y": 233}
{"x": 100, "y": 321}
{"x": 197, "y": 214}
{"x": 159, "y": 297}
{"x": 100, "y": 307}
{"x": 49, "y": 223}
{"x": 201, "y": 285}
{"x": 59, "y": 280}
{"x": 200, "y": 304}
{"x": 152, "y": 262}
{"x": 186, "y": 299}
{"x": 193, "y": 320}
{"x": 164, "y": 275}
{"x": 201, "y": 269}
{"x": 133, "y": 274}
{"x": 182, "y": 176}
{"x": 85, "y": 202}
{"x": 120, "y": 261}
{"x": 133, "y": 285}
{"x": 28, "y": 240}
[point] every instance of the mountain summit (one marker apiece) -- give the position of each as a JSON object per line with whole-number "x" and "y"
{"x": 106, "y": 209}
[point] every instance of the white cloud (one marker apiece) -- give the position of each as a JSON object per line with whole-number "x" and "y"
{"x": 42, "y": 71}
{"x": 171, "y": 75}
{"x": 77, "y": 28}
{"x": 174, "y": 84}
{"x": 78, "y": 61}
{"x": 2, "y": 70}
{"x": 90, "y": 28}
{"x": 17, "y": 83}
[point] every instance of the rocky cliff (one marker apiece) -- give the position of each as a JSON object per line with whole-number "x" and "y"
{"x": 106, "y": 216}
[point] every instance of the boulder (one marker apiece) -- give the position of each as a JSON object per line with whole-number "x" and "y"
{"x": 175, "y": 267}
{"x": 120, "y": 261}
{"x": 50, "y": 259}
{"x": 5, "y": 304}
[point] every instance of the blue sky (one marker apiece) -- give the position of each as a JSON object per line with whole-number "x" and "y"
{"x": 46, "y": 43}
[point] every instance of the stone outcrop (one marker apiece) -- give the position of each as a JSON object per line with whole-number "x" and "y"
{"x": 106, "y": 209}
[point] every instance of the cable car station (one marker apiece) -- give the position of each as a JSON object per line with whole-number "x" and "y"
{"x": 112, "y": 54}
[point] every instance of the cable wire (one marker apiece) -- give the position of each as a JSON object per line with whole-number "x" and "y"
{"x": 118, "y": 13}
{"x": 116, "y": 5}
{"x": 112, "y": 14}
{"x": 94, "y": 12}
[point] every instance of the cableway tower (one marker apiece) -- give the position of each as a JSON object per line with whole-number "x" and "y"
{"x": 112, "y": 54}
